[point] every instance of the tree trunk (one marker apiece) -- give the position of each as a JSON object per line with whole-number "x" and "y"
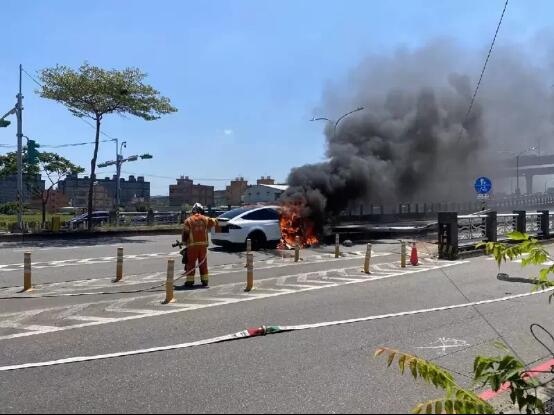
{"x": 93, "y": 173}
{"x": 45, "y": 199}
{"x": 43, "y": 224}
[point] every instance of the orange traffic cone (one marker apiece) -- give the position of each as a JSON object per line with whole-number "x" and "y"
{"x": 413, "y": 257}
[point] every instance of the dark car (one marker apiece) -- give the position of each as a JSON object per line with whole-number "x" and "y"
{"x": 98, "y": 218}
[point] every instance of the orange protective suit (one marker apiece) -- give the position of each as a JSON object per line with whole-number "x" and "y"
{"x": 195, "y": 236}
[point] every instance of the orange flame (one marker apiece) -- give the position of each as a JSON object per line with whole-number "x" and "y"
{"x": 293, "y": 224}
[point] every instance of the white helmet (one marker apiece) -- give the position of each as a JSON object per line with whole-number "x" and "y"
{"x": 197, "y": 208}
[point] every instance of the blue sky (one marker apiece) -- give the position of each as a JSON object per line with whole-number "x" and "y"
{"x": 246, "y": 76}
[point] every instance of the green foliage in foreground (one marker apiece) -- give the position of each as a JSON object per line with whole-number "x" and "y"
{"x": 495, "y": 372}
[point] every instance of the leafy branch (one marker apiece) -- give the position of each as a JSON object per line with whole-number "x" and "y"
{"x": 456, "y": 400}
{"x": 531, "y": 251}
{"x": 534, "y": 252}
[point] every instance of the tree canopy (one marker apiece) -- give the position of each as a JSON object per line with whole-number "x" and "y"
{"x": 92, "y": 92}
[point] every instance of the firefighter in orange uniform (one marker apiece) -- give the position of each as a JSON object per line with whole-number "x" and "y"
{"x": 195, "y": 237}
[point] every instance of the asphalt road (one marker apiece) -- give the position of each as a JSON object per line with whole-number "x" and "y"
{"x": 318, "y": 369}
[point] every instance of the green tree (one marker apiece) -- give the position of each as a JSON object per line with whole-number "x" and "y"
{"x": 93, "y": 92}
{"x": 55, "y": 167}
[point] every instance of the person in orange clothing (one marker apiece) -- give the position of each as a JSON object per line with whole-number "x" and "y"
{"x": 195, "y": 237}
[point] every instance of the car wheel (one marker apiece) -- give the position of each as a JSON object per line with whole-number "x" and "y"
{"x": 258, "y": 240}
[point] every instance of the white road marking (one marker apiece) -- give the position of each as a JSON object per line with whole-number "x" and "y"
{"x": 243, "y": 334}
{"x": 140, "y": 257}
{"x": 446, "y": 343}
{"x": 212, "y": 301}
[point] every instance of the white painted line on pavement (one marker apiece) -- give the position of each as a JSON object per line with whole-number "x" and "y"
{"x": 243, "y": 334}
{"x": 337, "y": 281}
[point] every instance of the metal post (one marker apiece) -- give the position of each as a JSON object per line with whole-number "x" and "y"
{"x": 27, "y": 285}
{"x": 403, "y": 254}
{"x": 297, "y": 250}
{"x": 367, "y": 259}
{"x": 521, "y": 222}
{"x": 337, "y": 246}
{"x": 248, "y": 250}
{"x": 169, "y": 297}
{"x": 119, "y": 266}
{"x": 491, "y": 227}
{"x": 118, "y": 184}
{"x": 19, "y": 114}
{"x": 249, "y": 272}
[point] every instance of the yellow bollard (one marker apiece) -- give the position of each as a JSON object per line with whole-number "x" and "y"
{"x": 119, "y": 267}
{"x": 297, "y": 250}
{"x": 169, "y": 298}
{"x": 249, "y": 272}
{"x": 27, "y": 285}
{"x": 337, "y": 246}
{"x": 403, "y": 254}
{"x": 248, "y": 250}
{"x": 367, "y": 259}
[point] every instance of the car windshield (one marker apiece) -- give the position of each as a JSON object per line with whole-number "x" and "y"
{"x": 234, "y": 213}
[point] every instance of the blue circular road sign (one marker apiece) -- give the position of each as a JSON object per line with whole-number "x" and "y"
{"x": 483, "y": 185}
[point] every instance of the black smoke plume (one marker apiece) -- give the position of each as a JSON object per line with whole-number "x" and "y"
{"x": 414, "y": 140}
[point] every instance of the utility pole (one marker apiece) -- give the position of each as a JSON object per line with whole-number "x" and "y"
{"x": 117, "y": 163}
{"x": 119, "y": 158}
{"x": 19, "y": 113}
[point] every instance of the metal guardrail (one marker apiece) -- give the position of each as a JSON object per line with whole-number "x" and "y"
{"x": 459, "y": 231}
{"x": 533, "y": 222}
{"x": 471, "y": 227}
{"x": 506, "y": 223}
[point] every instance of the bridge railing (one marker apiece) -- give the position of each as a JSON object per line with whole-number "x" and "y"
{"x": 461, "y": 232}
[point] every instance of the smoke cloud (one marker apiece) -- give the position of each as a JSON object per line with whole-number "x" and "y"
{"x": 412, "y": 142}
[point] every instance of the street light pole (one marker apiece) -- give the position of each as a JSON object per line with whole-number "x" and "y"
{"x": 119, "y": 158}
{"x": 117, "y": 163}
{"x": 19, "y": 114}
{"x": 339, "y": 120}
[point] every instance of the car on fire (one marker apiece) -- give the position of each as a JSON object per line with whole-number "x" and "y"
{"x": 260, "y": 224}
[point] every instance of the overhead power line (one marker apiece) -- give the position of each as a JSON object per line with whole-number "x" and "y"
{"x": 483, "y": 71}
{"x": 71, "y": 144}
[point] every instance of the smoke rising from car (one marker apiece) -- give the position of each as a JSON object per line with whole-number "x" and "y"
{"x": 413, "y": 142}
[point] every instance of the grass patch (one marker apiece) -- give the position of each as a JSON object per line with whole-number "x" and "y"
{"x": 7, "y": 220}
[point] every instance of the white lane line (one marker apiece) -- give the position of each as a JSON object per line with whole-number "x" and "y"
{"x": 244, "y": 334}
{"x": 297, "y": 288}
{"x": 92, "y": 318}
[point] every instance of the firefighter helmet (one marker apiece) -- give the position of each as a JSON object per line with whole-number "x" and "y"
{"x": 198, "y": 208}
